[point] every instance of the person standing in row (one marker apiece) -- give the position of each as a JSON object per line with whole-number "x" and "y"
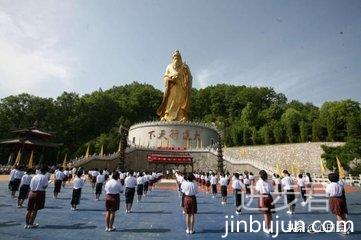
{"x": 94, "y": 175}
{"x": 24, "y": 188}
{"x": 65, "y": 178}
{"x": 112, "y": 189}
{"x": 59, "y": 176}
{"x": 301, "y": 186}
{"x": 36, "y": 202}
{"x": 237, "y": 186}
{"x": 337, "y": 204}
{"x": 11, "y": 177}
{"x": 213, "y": 182}
{"x": 146, "y": 184}
{"x": 223, "y": 181}
{"x": 130, "y": 183}
{"x": 287, "y": 184}
{"x": 190, "y": 189}
{"x": 140, "y": 186}
{"x": 77, "y": 186}
{"x": 265, "y": 200}
{"x": 99, "y": 184}
{"x": 18, "y": 174}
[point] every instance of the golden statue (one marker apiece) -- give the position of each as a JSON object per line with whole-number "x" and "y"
{"x": 178, "y": 85}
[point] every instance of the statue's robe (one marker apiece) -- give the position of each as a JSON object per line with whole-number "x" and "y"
{"x": 176, "y": 99}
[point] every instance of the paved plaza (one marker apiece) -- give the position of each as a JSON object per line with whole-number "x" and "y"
{"x": 157, "y": 217}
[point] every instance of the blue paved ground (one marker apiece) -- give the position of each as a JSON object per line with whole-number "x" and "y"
{"x": 158, "y": 217}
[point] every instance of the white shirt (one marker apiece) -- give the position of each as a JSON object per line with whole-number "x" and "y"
{"x": 78, "y": 183}
{"x": 334, "y": 189}
{"x": 237, "y": 184}
{"x": 223, "y": 181}
{"x": 213, "y": 180}
{"x": 189, "y": 188}
{"x": 263, "y": 187}
{"x": 130, "y": 182}
{"x": 95, "y": 173}
{"x": 287, "y": 183}
{"x": 113, "y": 187}
{"x": 100, "y": 178}
{"x": 121, "y": 176}
{"x": 39, "y": 183}
{"x": 59, "y": 175}
{"x": 26, "y": 179}
{"x": 146, "y": 178}
{"x": 12, "y": 174}
{"x": 246, "y": 181}
{"x": 140, "y": 180}
{"x": 301, "y": 182}
{"x": 18, "y": 174}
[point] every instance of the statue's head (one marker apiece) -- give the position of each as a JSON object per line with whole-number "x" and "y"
{"x": 177, "y": 58}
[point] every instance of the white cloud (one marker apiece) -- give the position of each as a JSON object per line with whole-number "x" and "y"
{"x": 29, "y": 60}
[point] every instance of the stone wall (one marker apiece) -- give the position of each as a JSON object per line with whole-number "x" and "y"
{"x": 305, "y": 156}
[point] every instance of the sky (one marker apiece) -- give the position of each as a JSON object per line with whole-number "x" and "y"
{"x": 308, "y": 50}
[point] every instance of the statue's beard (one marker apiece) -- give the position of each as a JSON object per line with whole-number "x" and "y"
{"x": 177, "y": 63}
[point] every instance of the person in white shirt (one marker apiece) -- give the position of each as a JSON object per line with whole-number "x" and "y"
{"x": 140, "y": 186}
{"x": 207, "y": 179}
{"x": 223, "y": 181}
{"x": 94, "y": 174}
{"x": 190, "y": 189}
{"x": 213, "y": 182}
{"x": 287, "y": 184}
{"x": 121, "y": 178}
{"x": 337, "y": 204}
{"x": 24, "y": 187}
{"x": 65, "y": 178}
{"x": 146, "y": 184}
{"x": 130, "y": 183}
{"x": 265, "y": 202}
{"x": 100, "y": 179}
{"x": 112, "y": 189}
{"x": 246, "y": 183}
{"x": 36, "y": 202}
{"x": 77, "y": 186}
{"x": 18, "y": 174}
{"x": 11, "y": 178}
{"x": 59, "y": 176}
{"x": 301, "y": 187}
{"x": 278, "y": 185}
{"x": 309, "y": 184}
{"x": 237, "y": 186}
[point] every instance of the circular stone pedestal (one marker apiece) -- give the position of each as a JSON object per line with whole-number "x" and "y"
{"x": 161, "y": 134}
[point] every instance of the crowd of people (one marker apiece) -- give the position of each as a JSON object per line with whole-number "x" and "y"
{"x": 32, "y": 186}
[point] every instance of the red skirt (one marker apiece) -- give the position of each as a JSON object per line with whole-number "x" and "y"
{"x": 112, "y": 202}
{"x": 190, "y": 204}
{"x": 36, "y": 200}
{"x": 337, "y": 206}
{"x": 265, "y": 203}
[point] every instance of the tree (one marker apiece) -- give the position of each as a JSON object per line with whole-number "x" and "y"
{"x": 291, "y": 119}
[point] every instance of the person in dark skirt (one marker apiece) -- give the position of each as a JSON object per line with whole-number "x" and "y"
{"x": 146, "y": 184}
{"x": 302, "y": 188}
{"x": 140, "y": 186}
{"x": 130, "y": 183}
{"x": 264, "y": 188}
{"x": 112, "y": 189}
{"x": 59, "y": 176}
{"x": 36, "y": 202}
{"x": 11, "y": 179}
{"x": 223, "y": 181}
{"x": 24, "y": 188}
{"x": 336, "y": 202}
{"x": 99, "y": 184}
{"x": 287, "y": 184}
{"x": 77, "y": 186}
{"x": 213, "y": 183}
{"x": 18, "y": 174}
{"x": 190, "y": 189}
{"x": 237, "y": 186}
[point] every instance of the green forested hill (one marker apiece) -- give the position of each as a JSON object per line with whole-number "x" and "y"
{"x": 247, "y": 115}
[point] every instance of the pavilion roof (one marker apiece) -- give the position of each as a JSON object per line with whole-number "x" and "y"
{"x": 31, "y": 142}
